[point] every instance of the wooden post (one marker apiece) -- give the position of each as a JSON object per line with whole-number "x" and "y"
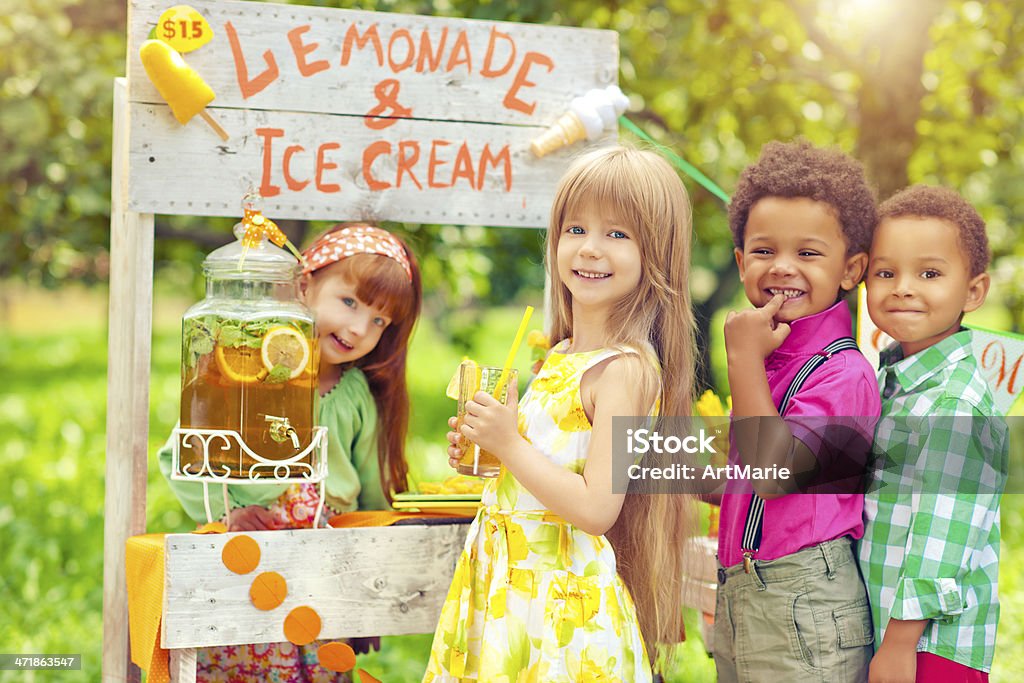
{"x": 183, "y": 665}
{"x": 130, "y": 329}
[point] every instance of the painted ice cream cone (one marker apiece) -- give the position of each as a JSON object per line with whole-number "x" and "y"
{"x": 564, "y": 132}
{"x": 588, "y": 117}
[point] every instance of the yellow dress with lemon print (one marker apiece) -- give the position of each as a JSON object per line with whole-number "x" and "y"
{"x": 534, "y": 599}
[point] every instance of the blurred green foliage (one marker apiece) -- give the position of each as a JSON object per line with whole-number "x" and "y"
{"x": 57, "y": 59}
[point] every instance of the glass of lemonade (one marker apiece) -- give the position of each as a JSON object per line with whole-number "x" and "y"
{"x": 476, "y": 461}
{"x": 249, "y": 361}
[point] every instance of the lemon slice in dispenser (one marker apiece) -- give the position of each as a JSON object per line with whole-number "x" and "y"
{"x": 240, "y": 365}
{"x": 452, "y": 391}
{"x": 285, "y": 346}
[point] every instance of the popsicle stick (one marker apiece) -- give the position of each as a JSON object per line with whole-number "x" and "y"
{"x": 213, "y": 124}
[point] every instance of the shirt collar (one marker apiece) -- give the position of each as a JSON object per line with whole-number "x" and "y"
{"x": 814, "y": 332}
{"x": 913, "y": 370}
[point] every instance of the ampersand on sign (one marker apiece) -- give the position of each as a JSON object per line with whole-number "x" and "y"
{"x": 388, "y": 110}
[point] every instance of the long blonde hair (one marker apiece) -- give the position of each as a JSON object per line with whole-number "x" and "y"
{"x": 640, "y": 189}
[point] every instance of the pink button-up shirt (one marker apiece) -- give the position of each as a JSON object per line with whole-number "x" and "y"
{"x": 844, "y": 386}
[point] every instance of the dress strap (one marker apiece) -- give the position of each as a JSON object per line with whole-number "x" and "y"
{"x": 601, "y": 355}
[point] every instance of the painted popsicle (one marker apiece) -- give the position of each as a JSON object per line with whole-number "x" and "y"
{"x": 184, "y": 90}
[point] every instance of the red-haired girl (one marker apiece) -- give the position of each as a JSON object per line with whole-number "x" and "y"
{"x": 363, "y": 286}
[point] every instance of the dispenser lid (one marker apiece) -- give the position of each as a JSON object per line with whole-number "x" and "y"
{"x": 253, "y": 255}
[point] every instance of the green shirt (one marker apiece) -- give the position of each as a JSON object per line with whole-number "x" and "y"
{"x": 931, "y": 539}
{"x": 353, "y": 476}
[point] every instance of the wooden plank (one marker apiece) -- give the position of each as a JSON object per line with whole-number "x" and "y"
{"x": 554, "y": 63}
{"x": 362, "y": 582}
{"x": 700, "y": 596}
{"x": 183, "y": 665}
{"x": 699, "y": 561}
{"x": 131, "y": 302}
{"x": 465, "y": 173}
{"x": 700, "y": 569}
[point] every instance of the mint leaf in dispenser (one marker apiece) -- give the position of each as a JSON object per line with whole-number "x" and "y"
{"x": 280, "y": 373}
{"x": 230, "y": 334}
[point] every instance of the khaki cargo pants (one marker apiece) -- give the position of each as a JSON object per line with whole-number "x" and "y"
{"x": 802, "y": 617}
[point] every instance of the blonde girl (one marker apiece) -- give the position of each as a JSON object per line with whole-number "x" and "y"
{"x": 563, "y": 579}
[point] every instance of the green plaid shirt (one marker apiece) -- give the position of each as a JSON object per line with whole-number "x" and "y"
{"x": 931, "y": 539}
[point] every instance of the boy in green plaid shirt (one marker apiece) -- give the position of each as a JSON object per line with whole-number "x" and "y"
{"x": 930, "y": 552}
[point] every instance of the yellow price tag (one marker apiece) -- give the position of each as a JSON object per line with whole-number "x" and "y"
{"x": 183, "y": 28}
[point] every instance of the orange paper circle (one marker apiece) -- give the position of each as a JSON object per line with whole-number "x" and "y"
{"x": 241, "y": 554}
{"x": 268, "y": 590}
{"x": 338, "y": 657}
{"x": 366, "y": 678}
{"x": 302, "y": 625}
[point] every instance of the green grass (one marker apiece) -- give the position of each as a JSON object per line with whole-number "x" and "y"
{"x": 52, "y": 422}
{"x": 51, "y": 496}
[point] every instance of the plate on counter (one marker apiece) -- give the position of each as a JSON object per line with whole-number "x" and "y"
{"x": 435, "y": 497}
{"x": 439, "y": 504}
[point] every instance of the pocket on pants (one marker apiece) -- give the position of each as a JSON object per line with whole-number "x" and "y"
{"x": 853, "y": 625}
{"x": 724, "y": 637}
{"x": 804, "y": 631}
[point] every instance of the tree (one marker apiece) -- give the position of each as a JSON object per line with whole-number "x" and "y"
{"x": 57, "y": 61}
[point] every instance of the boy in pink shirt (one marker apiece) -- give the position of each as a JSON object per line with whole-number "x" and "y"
{"x": 791, "y": 602}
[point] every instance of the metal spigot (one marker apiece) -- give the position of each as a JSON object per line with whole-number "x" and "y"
{"x": 281, "y": 430}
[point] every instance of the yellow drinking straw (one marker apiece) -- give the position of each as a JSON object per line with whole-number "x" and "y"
{"x": 503, "y": 378}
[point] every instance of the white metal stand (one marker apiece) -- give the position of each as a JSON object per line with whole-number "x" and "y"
{"x": 308, "y": 466}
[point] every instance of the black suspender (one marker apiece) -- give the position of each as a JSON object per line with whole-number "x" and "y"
{"x": 753, "y": 527}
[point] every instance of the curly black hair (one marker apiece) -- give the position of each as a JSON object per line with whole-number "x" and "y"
{"x": 925, "y": 201}
{"x": 799, "y": 169}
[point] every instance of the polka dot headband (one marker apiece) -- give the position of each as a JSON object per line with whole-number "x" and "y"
{"x": 359, "y": 239}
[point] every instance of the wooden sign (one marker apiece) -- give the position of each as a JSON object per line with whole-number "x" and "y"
{"x": 340, "y": 114}
{"x": 999, "y": 354}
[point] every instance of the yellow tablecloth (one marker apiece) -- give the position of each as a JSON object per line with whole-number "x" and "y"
{"x": 145, "y": 573}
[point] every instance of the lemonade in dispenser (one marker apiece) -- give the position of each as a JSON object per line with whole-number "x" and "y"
{"x": 249, "y": 360}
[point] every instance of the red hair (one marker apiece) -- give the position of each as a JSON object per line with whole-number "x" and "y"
{"x": 382, "y": 281}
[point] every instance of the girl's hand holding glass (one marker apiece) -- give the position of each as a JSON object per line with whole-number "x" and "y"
{"x": 454, "y": 443}
{"x": 491, "y": 424}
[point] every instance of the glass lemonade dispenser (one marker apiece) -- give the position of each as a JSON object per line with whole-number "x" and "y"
{"x": 249, "y": 364}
